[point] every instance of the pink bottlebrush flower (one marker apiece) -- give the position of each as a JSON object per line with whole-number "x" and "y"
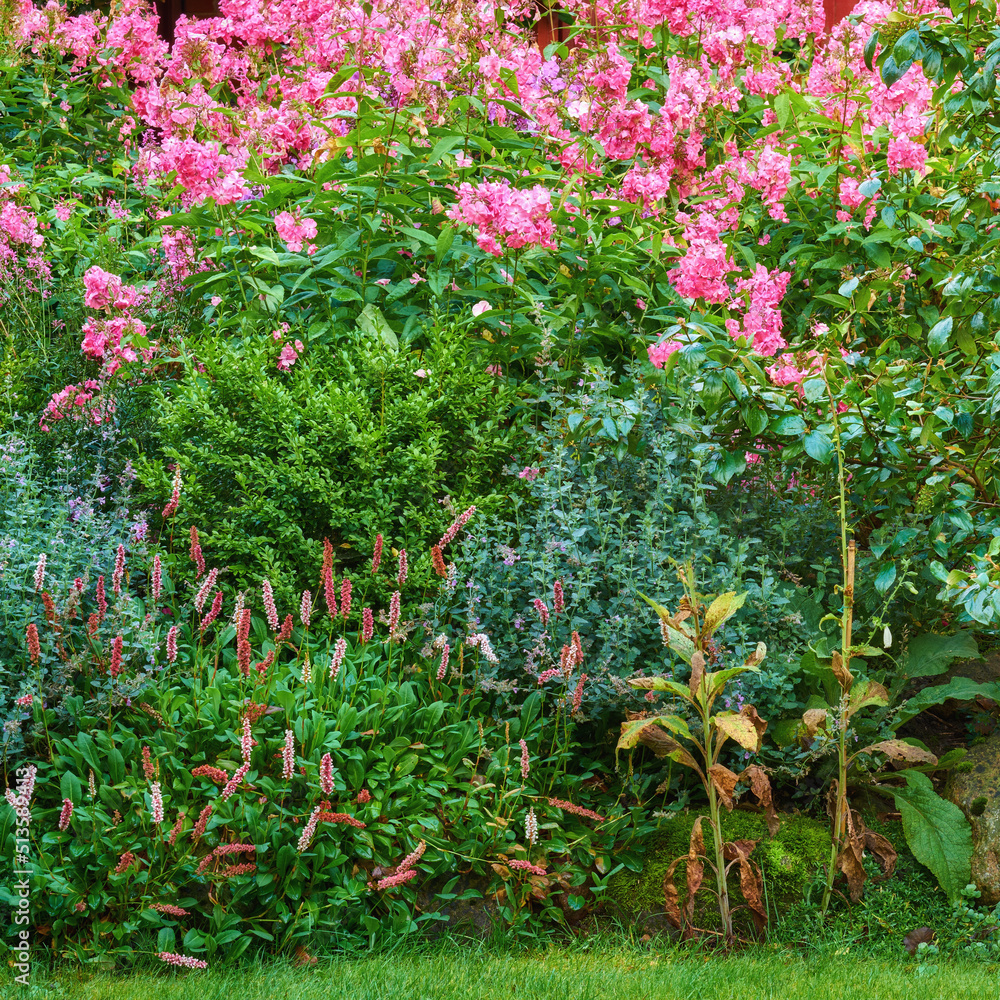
{"x": 377, "y": 554}
{"x": 307, "y": 670}
{"x": 339, "y": 650}
{"x": 393, "y": 613}
{"x": 305, "y": 608}
{"x": 543, "y": 611}
{"x": 526, "y": 866}
{"x": 531, "y": 827}
{"x": 308, "y": 830}
{"x": 246, "y": 741}
{"x": 205, "y": 589}
{"x": 157, "y": 802}
{"x": 367, "y": 625}
{"x": 332, "y": 817}
{"x": 199, "y": 828}
{"x": 24, "y": 701}
{"x": 558, "y": 601}
{"x": 364, "y": 797}
{"x": 217, "y": 775}
{"x": 116, "y": 578}
{"x": 116, "y": 657}
{"x": 92, "y": 624}
{"x": 443, "y": 665}
{"x": 403, "y": 569}
{"x": 269, "y": 608}
{"x": 566, "y": 660}
{"x": 234, "y": 782}
{"x": 197, "y": 557}
{"x": 169, "y": 909}
{"x": 176, "y": 829}
{"x": 34, "y": 647}
{"x": 243, "y": 625}
{"x": 411, "y": 859}
{"x": 481, "y": 641}
{"x": 66, "y": 814}
{"x": 286, "y": 631}
{"x": 578, "y": 693}
{"x": 213, "y": 612}
{"x": 437, "y": 561}
{"x": 288, "y": 756}
{"x": 326, "y": 774}
{"x": 263, "y": 666}
{"x": 172, "y": 643}
{"x": 147, "y": 765}
{"x": 156, "y": 580}
{"x": 345, "y": 598}
{"x": 243, "y": 650}
{"x": 40, "y": 571}
{"x": 329, "y": 591}
{"x": 246, "y": 868}
{"x": 391, "y": 881}
{"x": 547, "y": 675}
{"x": 456, "y": 526}
{"x": 102, "y": 604}
{"x": 183, "y": 961}
{"x": 525, "y": 760}
{"x": 577, "y": 648}
{"x": 124, "y": 863}
{"x": 175, "y": 496}
{"x": 576, "y": 810}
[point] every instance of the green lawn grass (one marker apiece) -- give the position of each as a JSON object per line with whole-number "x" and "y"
{"x": 563, "y": 973}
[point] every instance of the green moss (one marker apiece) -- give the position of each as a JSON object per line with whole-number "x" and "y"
{"x": 788, "y": 861}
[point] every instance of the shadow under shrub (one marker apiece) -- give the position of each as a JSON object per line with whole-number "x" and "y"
{"x": 347, "y": 443}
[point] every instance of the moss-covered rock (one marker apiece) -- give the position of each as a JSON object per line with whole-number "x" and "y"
{"x": 788, "y": 862}
{"x": 976, "y": 790}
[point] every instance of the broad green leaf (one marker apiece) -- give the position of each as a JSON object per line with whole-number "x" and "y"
{"x": 818, "y": 446}
{"x": 939, "y": 333}
{"x": 937, "y": 831}
{"x": 885, "y": 578}
{"x": 374, "y": 324}
{"x": 929, "y": 655}
{"x": 960, "y": 688}
{"x": 866, "y": 694}
{"x": 869, "y": 50}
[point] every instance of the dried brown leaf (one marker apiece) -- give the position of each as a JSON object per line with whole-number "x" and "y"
{"x": 760, "y": 785}
{"x": 725, "y": 782}
{"x": 814, "y": 719}
{"x": 844, "y": 677}
{"x": 697, "y": 671}
{"x": 695, "y": 869}
{"x": 898, "y": 750}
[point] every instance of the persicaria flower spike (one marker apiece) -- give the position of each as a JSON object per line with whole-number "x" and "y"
{"x": 213, "y": 612}
{"x": 411, "y": 859}
{"x": 578, "y": 693}
{"x": 102, "y": 603}
{"x": 183, "y": 961}
{"x": 367, "y": 624}
{"x": 116, "y": 578}
{"x": 403, "y": 569}
{"x": 34, "y": 647}
{"x": 525, "y": 760}
{"x": 543, "y": 611}
{"x": 345, "y": 598}
{"x": 531, "y": 827}
{"x": 377, "y": 554}
{"x": 456, "y": 526}
{"x": 156, "y": 581}
{"x": 205, "y": 589}
{"x": 66, "y": 814}
{"x": 339, "y": 650}
{"x": 310, "y": 828}
{"x": 305, "y": 608}
{"x": 175, "y": 496}
{"x": 288, "y": 756}
{"x": 558, "y": 601}
{"x": 116, "y": 657}
{"x": 393, "y": 612}
{"x": 326, "y": 775}
{"x": 247, "y": 740}
{"x": 234, "y": 782}
{"x": 443, "y": 665}
{"x": 172, "y": 643}
{"x": 437, "y": 561}
{"x": 156, "y": 795}
{"x": 40, "y": 571}
{"x": 147, "y": 765}
{"x": 196, "y": 554}
{"x": 269, "y": 608}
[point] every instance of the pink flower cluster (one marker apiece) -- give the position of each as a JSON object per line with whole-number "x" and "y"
{"x": 296, "y": 231}
{"x": 87, "y": 402}
{"x": 505, "y": 218}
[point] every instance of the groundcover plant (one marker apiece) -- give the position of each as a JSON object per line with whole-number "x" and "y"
{"x": 362, "y": 363}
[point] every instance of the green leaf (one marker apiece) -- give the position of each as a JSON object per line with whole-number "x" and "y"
{"x": 928, "y": 655}
{"x": 886, "y": 577}
{"x": 818, "y": 446}
{"x": 869, "y": 51}
{"x": 722, "y": 609}
{"x": 937, "y": 831}
{"x": 374, "y": 324}
{"x": 791, "y": 424}
{"x": 782, "y": 109}
{"x": 886, "y": 400}
{"x": 939, "y": 334}
{"x": 960, "y": 688}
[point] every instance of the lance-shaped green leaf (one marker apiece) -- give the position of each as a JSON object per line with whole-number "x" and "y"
{"x": 660, "y": 684}
{"x": 960, "y": 688}
{"x": 715, "y": 682}
{"x": 937, "y": 831}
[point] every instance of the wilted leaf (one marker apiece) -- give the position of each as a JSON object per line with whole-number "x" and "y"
{"x": 720, "y": 610}
{"x": 746, "y": 727}
{"x": 869, "y": 693}
{"x": 646, "y": 732}
{"x": 697, "y": 672}
{"x": 922, "y": 935}
{"x": 757, "y": 656}
{"x": 844, "y": 677}
{"x": 659, "y": 684}
{"x": 725, "y": 783}
{"x": 814, "y": 719}
{"x": 695, "y": 869}
{"x": 760, "y": 785}
{"x": 898, "y": 750}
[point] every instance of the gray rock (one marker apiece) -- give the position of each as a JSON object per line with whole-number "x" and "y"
{"x": 977, "y": 792}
